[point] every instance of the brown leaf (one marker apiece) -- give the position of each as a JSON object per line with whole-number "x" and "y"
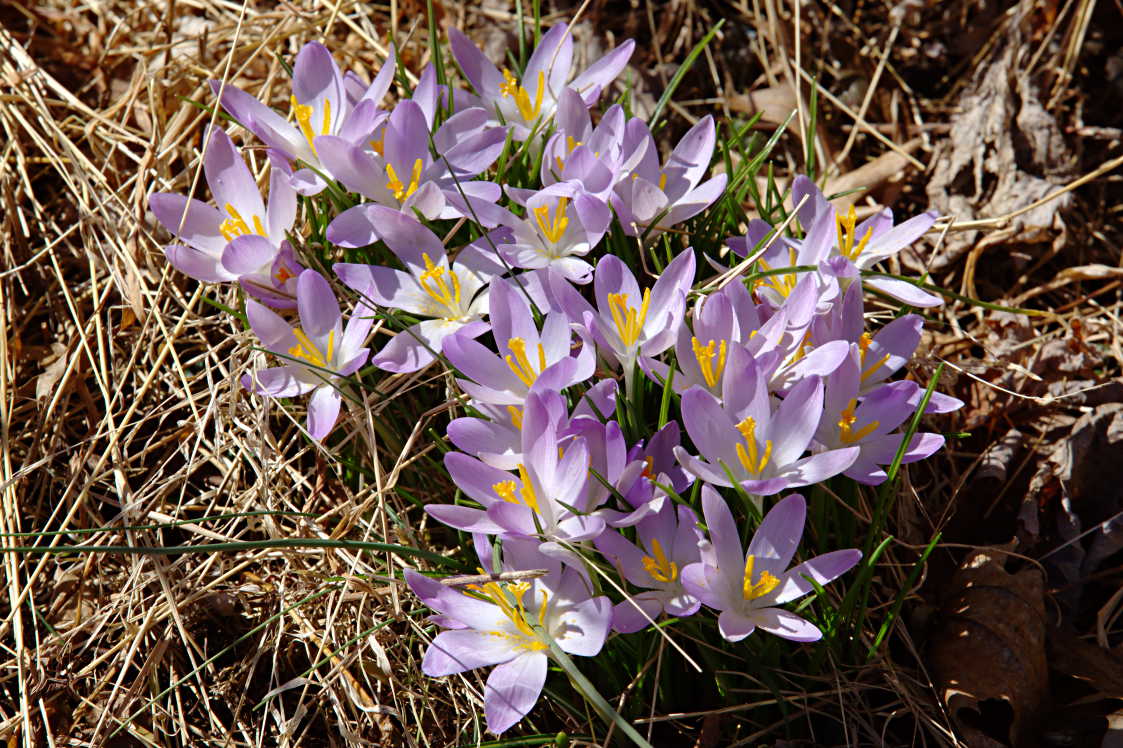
{"x": 988, "y": 656}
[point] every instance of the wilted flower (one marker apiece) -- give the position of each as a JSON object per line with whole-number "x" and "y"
{"x": 319, "y": 350}
{"x": 748, "y": 585}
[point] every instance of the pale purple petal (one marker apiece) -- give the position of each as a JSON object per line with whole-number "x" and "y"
{"x": 733, "y": 626}
{"x": 787, "y": 625}
{"x": 467, "y": 649}
{"x": 823, "y": 569}
{"x": 323, "y": 411}
{"x": 512, "y": 690}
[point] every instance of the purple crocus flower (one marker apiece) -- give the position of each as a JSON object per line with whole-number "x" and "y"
{"x": 673, "y": 192}
{"x": 508, "y": 625}
{"x": 539, "y": 502}
{"x": 580, "y": 154}
{"x": 319, "y": 351}
{"x": 399, "y": 171}
{"x": 526, "y": 358}
{"x": 668, "y": 543}
{"x": 761, "y": 446}
{"x": 527, "y": 104}
{"x": 627, "y": 325}
{"x": 241, "y": 239}
{"x": 323, "y": 103}
{"x": 867, "y": 422}
{"x": 454, "y": 295}
{"x": 553, "y": 236}
{"x": 747, "y": 586}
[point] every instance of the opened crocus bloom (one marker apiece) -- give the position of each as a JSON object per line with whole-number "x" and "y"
{"x": 749, "y": 585}
{"x": 528, "y": 103}
{"x": 318, "y": 352}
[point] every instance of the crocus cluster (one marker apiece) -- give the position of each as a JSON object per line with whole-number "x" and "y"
{"x": 585, "y": 515}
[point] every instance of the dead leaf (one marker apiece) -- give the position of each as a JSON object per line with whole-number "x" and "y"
{"x": 988, "y": 657}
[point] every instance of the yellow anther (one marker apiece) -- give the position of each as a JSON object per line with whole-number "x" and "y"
{"x": 628, "y": 320}
{"x": 506, "y": 490}
{"x": 658, "y": 566}
{"x": 662, "y": 180}
{"x": 711, "y": 365}
{"x": 752, "y": 590}
{"x": 748, "y": 453}
{"x": 501, "y": 597}
{"x": 864, "y": 347}
{"x": 284, "y": 274}
{"x": 510, "y": 84}
{"x": 445, "y": 292}
{"x": 379, "y": 145}
{"x": 306, "y": 350}
{"x": 782, "y": 283}
{"x": 555, "y": 229}
{"x": 236, "y": 226}
{"x": 804, "y": 346}
{"x": 846, "y": 423}
{"x": 516, "y": 416}
{"x": 519, "y": 363}
{"x": 401, "y": 191}
{"x": 846, "y": 227}
{"x": 303, "y": 114}
{"x": 510, "y": 87}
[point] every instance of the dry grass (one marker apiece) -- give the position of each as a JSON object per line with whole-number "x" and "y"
{"x": 120, "y": 405}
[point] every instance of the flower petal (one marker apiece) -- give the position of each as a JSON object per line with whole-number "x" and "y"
{"x": 512, "y": 690}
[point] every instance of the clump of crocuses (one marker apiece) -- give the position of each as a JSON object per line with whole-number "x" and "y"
{"x": 770, "y": 382}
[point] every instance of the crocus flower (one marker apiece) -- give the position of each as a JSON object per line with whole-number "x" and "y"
{"x": 508, "y": 624}
{"x": 240, "y": 240}
{"x": 322, "y": 103}
{"x": 561, "y": 226}
{"x": 398, "y": 169}
{"x": 850, "y": 420}
{"x": 526, "y": 356}
{"x": 589, "y": 157}
{"x": 539, "y": 501}
{"x": 627, "y": 325}
{"x": 673, "y": 192}
{"x": 761, "y": 446}
{"x": 454, "y": 294}
{"x": 528, "y": 103}
{"x": 747, "y": 586}
{"x": 318, "y": 351}
{"x": 668, "y": 543}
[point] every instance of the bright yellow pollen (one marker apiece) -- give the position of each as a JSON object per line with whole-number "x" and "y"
{"x": 519, "y": 364}
{"x": 445, "y": 293}
{"x": 847, "y": 233}
{"x": 706, "y": 360}
{"x": 846, "y": 423}
{"x": 552, "y": 230}
{"x": 752, "y": 590}
{"x": 506, "y": 490}
{"x": 236, "y": 226}
{"x": 401, "y": 192}
{"x": 660, "y": 568}
{"x": 629, "y": 322}
{"x": 515, "y": 613}
{"x": 783, "y": 283}
{"x": 864, "y": 346}
{"x": 303, "y": 114}
{"x": 750, "y": 458}
{"x": 306, "y": 350}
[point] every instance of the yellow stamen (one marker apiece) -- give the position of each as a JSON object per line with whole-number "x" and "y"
{"x": 662, "y": 180}
{"x": 516, "y": 613}
{"x": 516, "y": 416}
{"x": 284, "y": 274}
{"x": 446, "y": 293}
{"x": 552, "y": 230}
{"x": 510, "y": 84}
{"x": 846, "y": 423}
{"x": 847, "y": 233}
{"x": 706, "y": 360}
{"x": 379, "y": 145}
{"x": 306, "y": 350}
{"x": 751, "y": 459}
{"x": 752, "y": 590}
{"x": 782, "y": 283}
{"x": 629, "y": 322}
{"x": 510, "y": 87}
{"x": 236, "y": 226}
{"x": 506, "y": 490}
{"x": 519, "y": 364}
{"x": 303, "y": 114}
{"x": 804, "y": 346}
{"x": 864, "y": 346}
{"x": 660, "y": 568}
{"x": 401, "y": 192}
